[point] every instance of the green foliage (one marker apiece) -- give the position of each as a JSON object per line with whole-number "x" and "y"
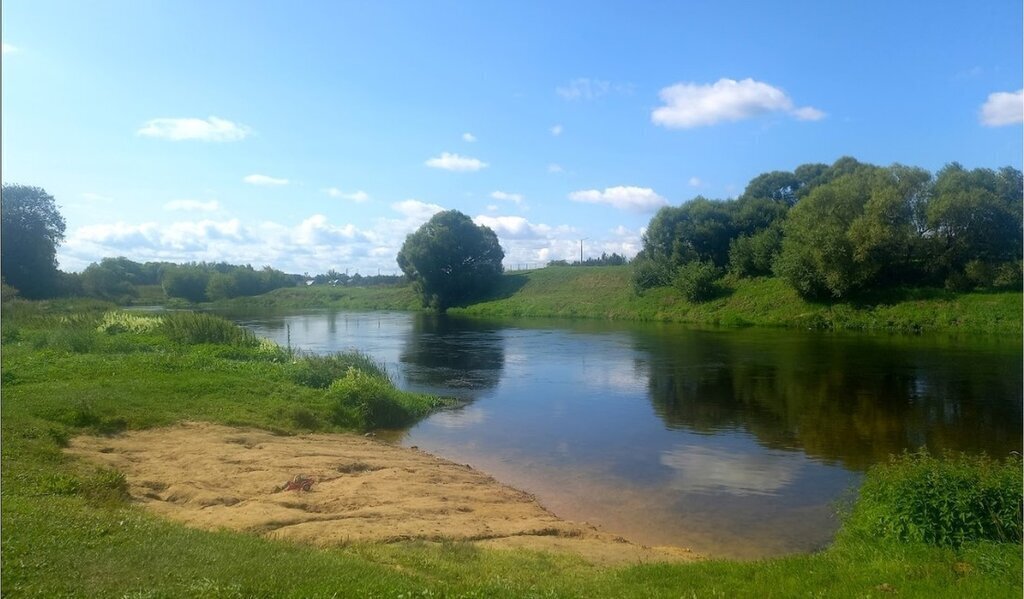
{"x": 697, "y": 281}
{"x": 364, "y": 400}
{"x": 114, "y": 322}
{"x": 948, "y": 501}
{"x": 451, "y": 261}
{"x": 318, "y": 372}
{"x": 195, "y": 327}
{"x": 649, "y": 273}
{"x": 31, "y": 227}
{"x": 754, "y": 255}
{"x": 187, "y": 282}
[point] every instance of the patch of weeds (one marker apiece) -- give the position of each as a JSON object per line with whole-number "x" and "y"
{"x": 356, "y": 468}
{"x": 318, "y": 372}
{"x": 60, "y": 436}
{"x": 304, "y": 418}
{"x": 105, "y": 486}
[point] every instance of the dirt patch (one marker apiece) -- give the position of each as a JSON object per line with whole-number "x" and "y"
{"x": 213, "y": 477}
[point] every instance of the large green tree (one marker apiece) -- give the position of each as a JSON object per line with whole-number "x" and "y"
{"x": 451, "y": 260}
{"x": 31, "y": 230}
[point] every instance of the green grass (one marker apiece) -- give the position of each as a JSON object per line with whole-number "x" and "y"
{"x": 67, "y": 529}
{"x": 605, "y": 292}
{"x": 321, "y": 296}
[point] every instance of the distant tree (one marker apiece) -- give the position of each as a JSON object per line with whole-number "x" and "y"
{"x": 451, "y": 260}
{"x": 32, "y": 227}
{"x": 111, "y": 278}
{"x": 187, "y": 281}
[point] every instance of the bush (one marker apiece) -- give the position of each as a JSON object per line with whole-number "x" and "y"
{"x": 1008, "y": 276}
{"x": 753, "y": 255}
{"x": 312, "y": 370}
{"x": 363, "y": 401}
{"x": 946, "y": 501}
{"x": 649, "y": 273}
{"x": 192, "y": 327}
{"x": 697, "y": 281}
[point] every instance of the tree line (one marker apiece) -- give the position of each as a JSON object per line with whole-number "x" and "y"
{"x": 842, "y": 230}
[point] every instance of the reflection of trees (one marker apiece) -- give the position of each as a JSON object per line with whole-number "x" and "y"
{"x": 446, "y": 352}
{"x": 846, "y": 399}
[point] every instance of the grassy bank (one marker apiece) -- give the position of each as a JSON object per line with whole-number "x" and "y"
{"x": 68, "y": 530}
{"x": 605, "y": 292}
{"x": 335, "y": 298}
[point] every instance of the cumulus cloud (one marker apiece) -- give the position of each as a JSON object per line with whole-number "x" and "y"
{"x": 454, "y": 162}
{"x": 556, "y": 130}
{"x": 178, "y": 129}
{"x": 316, "y": 230}
{"x": 192, "y": 206}
{"x": 555, "y": 168}
{"x": 9, "y": 48}
{"x": 515, "y": 198}
{"x": 695, "y": 182}
{"x": 513, "y": 227}
{"x": 355, "y": 196}
{"x": 1003, "y": 108}
{"x": 690, "y": 105}
{"x": 468, "y": 137}
{"x": 264, "y": 180}
{"x": 416, "y": 209}
{"x": 637, "y": 199}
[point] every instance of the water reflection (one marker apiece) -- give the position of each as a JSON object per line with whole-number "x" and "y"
{"x": 700, "y": 469}
{"x": 841, "y": 398}
{"x": 451, "y": 354}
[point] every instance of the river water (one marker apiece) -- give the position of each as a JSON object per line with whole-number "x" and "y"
{"x": 739, "y": 443}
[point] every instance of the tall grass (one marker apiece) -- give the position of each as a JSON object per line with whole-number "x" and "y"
{"x": 947, "y": 501}
{"x": 319, "y": 371}
{"x": 195, "y": 327}
{"x": 363, "y": 401}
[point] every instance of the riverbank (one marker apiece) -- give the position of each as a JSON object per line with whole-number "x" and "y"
{"x": 606, "y": 293}
{"x": 71, "y": 528}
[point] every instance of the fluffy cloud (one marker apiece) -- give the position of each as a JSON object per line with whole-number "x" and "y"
{"x": 416, "y": 210}
{"x": 638, "y": 199}
{"x": 468, "y": 137}
{"x": 264, "y": 180}
{"x": 1003, "y": 108}
{"x": 513, "y": 227}
{"x": 192, "y": 206}
{"x": 316, "y": 230}
{"x": 690, "y": 105}
{"x": 454, "y": 162}
{"x": 211, "y": 129}
{"x": 507, "y": 197}
{"x": 355, "y": 196}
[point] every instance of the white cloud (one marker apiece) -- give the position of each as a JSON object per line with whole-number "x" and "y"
{"x": 10, "y": 48}
{"x": 416, "y": 209}
{"x": 695, "y": 182}
{"x": 355, "y": 196}
{"x": 199, "y": 235}
{"x": 638, "y": 199}
{"x": 556, "y": 130}
{"x": 492, "y": 208}
{"x": 178, "y": 129}
{"x": 316, "y": 230}
{"x": 808, "y": 113}
{"x": 695, "y": 105}
{"x": 555, "y": 168}
{"x": 515, "y": 198}
{"x": 264, "y": 180}
{"x": 454, "y": 162}
{"x": 95, "y": 197}
{"x": 1003, "y": 108}
{"x": 468, "y": 137}
{"x": 512, "y": 227}
{"x": 192, "y": 206}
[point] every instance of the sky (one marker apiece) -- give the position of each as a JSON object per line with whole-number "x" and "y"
{"x": 316, "y": 135}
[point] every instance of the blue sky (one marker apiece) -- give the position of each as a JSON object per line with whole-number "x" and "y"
{"x": 316, "y": 135}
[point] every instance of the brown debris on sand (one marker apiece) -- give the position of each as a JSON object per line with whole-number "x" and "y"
{"x": 213, "y": 476}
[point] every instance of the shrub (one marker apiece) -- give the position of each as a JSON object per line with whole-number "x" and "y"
{"x": 946, "y": 501}
{"x": 1008, "y": 276}
{"x": 193, "y": 327}
{"x": 361, "y": 400}
{"x": 649, "y": 273}
{"x": 312, "y": 370}
{"x": 697, "y": 281}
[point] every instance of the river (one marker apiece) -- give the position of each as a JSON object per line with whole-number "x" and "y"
{"x": 735, "y": 442}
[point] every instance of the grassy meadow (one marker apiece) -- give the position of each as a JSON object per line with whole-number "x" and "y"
{"x": 68, "y": 528}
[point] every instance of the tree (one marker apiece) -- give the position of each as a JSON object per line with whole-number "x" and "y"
{"x": 31, "y": 230}
{"x": 451, "y": 260}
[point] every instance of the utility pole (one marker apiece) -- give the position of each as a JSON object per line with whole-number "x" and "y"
{"x": 581, "y": 249}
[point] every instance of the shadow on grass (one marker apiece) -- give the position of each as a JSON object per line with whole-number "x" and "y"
{"x": 507, "y": 286}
